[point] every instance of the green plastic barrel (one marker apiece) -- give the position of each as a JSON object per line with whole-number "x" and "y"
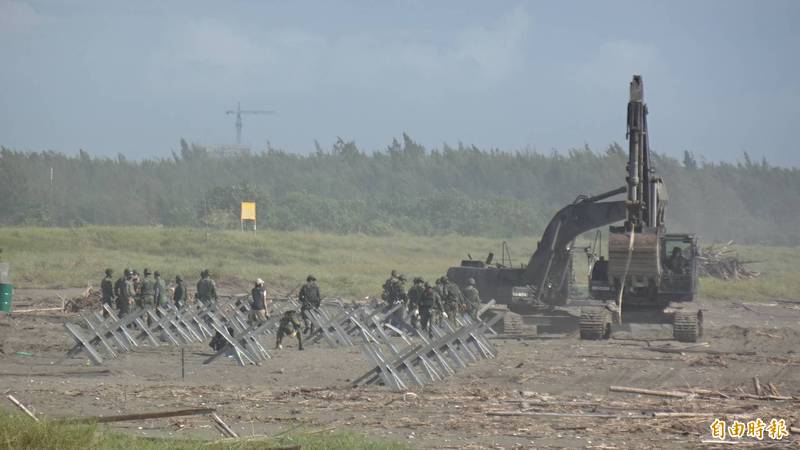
{"x": 6, "y": 292}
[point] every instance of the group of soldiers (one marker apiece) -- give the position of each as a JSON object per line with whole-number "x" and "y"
{"x": 142, "y": 290}
{"x": 425, "y": 303}
{"x": 145, "y": 291}
{"x": 289, "y": 324}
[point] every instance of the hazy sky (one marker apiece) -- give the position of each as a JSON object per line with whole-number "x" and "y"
{"x": 721, "y": 77}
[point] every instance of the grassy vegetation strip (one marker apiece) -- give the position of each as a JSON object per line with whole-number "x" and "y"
{"x": 353, "y": 265}
{"x": 19, "y": 432}
{"x": 347, "y": 265}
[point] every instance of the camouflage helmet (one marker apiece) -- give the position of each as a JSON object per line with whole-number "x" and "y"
{"x": 204, "y": 273}
{"x": 401, "y": 277}
{"x": 147, "y": 271}
{"x": 471, "y": 281}
{"x": 156, "y": 274}
{"x": 394, "y": 273}
{"x": 109, "y": 272}
{"x": 127, "y": 272}
{"x": 311, "y": 278}
{"x": 178, "y": 278}
{"x": 417, "y": 280}
{"x": 427, "y": 285}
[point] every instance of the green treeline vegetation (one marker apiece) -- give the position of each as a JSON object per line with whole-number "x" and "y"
{"x": 404, "y": 188}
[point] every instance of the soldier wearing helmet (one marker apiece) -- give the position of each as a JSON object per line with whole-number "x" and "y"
{"x": 147, "y": 290}
{"x": 389, "y": 287}
{"x": 472, "y": 298}
{"x": 289, "y": 326}
{"x": 136, "y": 280}
{"x": 453, "y": 299}
{"x": 397, "y": 295}
{"x": 414, "y": 296}
{"x": 123, "y": 288}
{"x": 429, "y": 301}
{"x": 310, "y": 299}
{"x": 107, "y": 291}
{"x": 206, "y": 289}
{"x": 119, "y": 284}
{"x": 160, "y": 290}
{"x": 394, "y": 289}
{"x": 180, "y": 295}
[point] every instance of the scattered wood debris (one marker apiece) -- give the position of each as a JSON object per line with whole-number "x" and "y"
{"x": 723, "y": 262}
{"x": 223, "y": 427}
{"x": 690, "y": 393}
{"x": 90, "y": 299}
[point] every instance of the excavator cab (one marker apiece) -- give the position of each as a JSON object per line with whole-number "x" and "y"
{"x": 679, "y": 254}
{"x": 599, "y": 287}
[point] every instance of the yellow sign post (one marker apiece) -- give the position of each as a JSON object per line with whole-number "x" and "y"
{"x": 249, "y": 214}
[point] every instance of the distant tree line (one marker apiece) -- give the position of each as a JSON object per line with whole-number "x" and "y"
{"x": 405, "y": 187}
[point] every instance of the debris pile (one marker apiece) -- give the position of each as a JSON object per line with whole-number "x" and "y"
{"x": 89, "y": 300}
{"x": 723, "y": 262}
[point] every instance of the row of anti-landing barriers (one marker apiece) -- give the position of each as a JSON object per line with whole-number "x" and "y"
{"x": 402, "y": 355}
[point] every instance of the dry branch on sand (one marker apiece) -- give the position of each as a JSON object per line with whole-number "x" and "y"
{"x": 690, "y": 393}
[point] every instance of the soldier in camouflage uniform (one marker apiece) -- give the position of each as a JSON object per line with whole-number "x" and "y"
{"x": 472, "y": 298}
{"x": 107, "y": 291}
{"x": 310, "y": 299}
{"x": 289, "y": 326}
{"x": 449, "y": 302}
{"x": 397, "y": 295}
{"x": 180, "y": 295}
{"x": 206, "y": 289}
{"x": 389, "y": 287}
{"x": 428, "y": 303}
{"x": 137, "y": 282}
{"x": 414, "y": 297}
{"x": 399, "y": 291}
{"x": 160, "y": 290}
{"x": 125, "y": 293}
{"x": 147, "y": 289}
{"x": 119, "y": 285}
{"x": 454, "y": 297}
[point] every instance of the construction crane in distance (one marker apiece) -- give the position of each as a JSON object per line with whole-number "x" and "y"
{"x": 239, "y": 111}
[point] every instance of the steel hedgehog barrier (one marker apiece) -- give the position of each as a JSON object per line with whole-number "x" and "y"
{"x": 402, "y": 355}
{"x": 107, "y": 337}
{"x": 103, "y": 338}
{"x": 401, "y": 362}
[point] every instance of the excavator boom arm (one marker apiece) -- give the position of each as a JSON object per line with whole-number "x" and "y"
{"x": 570, "y": 222}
